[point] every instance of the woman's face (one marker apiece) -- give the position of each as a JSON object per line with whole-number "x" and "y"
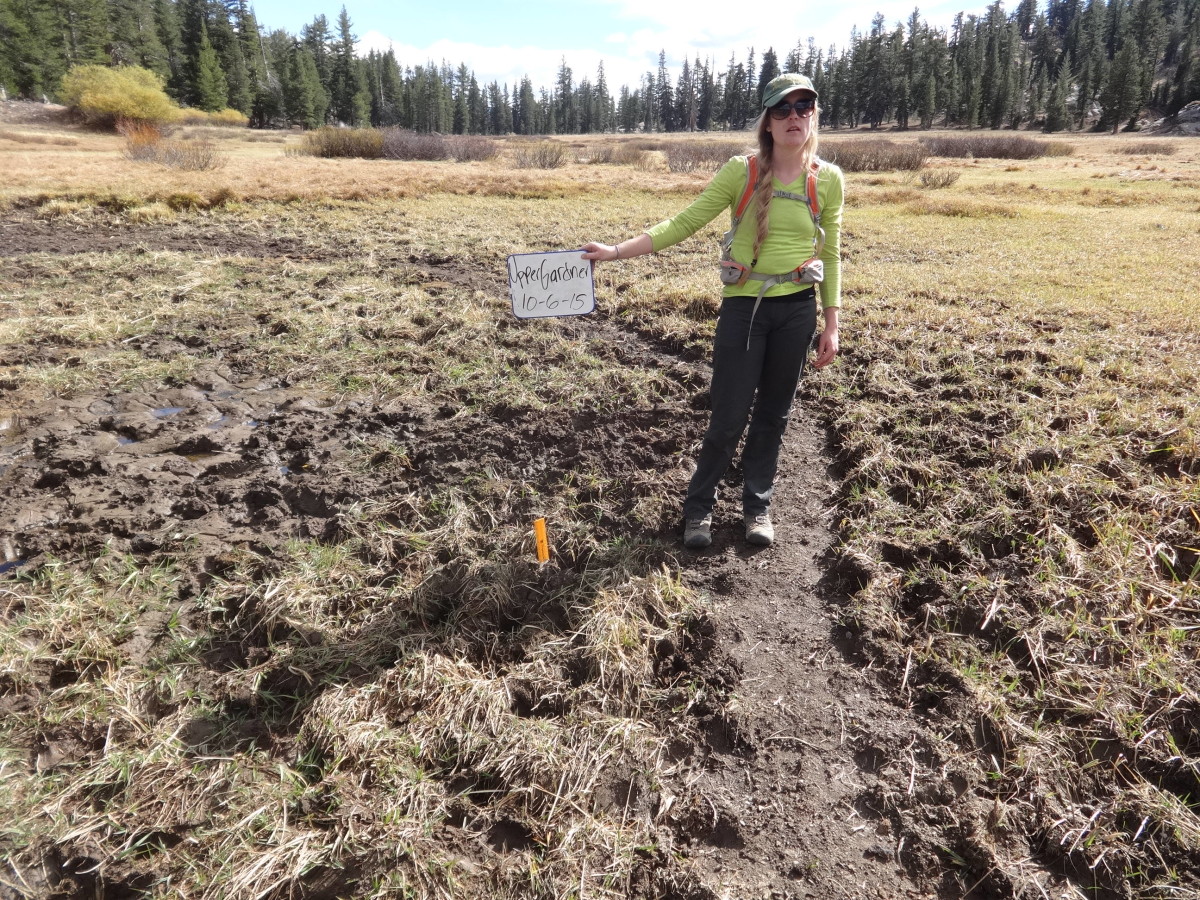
{"x": 794, "y": 130}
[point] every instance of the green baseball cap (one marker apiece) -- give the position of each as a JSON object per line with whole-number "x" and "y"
{"x": 782, "y": 85}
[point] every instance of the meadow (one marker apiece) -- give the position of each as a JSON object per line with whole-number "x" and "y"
{"x": 271, "y": 445}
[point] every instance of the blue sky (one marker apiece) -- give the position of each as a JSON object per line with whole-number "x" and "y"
{"x": 504, "y": 41}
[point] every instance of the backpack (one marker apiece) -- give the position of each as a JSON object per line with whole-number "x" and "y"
{"x": 809, "y": 272}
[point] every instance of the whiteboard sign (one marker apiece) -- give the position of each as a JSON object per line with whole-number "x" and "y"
{"x": 558, "y": 283}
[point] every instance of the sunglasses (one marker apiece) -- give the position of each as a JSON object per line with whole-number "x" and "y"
{"x": 804, "y": 108}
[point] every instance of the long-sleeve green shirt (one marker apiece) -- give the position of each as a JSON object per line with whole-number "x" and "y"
{"x": 789, "y": 242}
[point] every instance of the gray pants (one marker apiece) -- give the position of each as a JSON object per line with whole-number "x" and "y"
{"x": 780, "y": 337}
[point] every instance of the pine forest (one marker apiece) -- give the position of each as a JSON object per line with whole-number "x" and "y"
{"x": 1074, "y": 64}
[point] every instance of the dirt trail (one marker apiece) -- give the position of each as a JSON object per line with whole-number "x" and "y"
{"x": 788, "y": 771}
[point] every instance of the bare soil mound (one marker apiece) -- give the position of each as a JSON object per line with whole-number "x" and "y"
{"x": 29, "y": 112}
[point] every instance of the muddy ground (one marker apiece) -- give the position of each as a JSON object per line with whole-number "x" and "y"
{"x": 811, "y": 779}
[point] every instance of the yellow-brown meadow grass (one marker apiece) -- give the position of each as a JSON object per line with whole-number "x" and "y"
{"x": 1016, "y": 432}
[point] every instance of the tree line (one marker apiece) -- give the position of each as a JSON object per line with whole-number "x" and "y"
{"x": 1069, "y": 64}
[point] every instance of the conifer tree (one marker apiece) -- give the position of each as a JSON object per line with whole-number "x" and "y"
{"x": 134, "y": 36}
{"x": 1186, "y": 84}
{"x": 167, "y": 26}
{"x": 526, "y": 109}
{"x": 565, "y": 112}
{"x": 210, "y": 89}
{"x": 768, "y": 70}
{"x": 1056, "y": 105}
{"x": 602, "y": 112}
{"x": 1120, "y": 99}
{"x": 31, "y": 48}
{"x": 302, "y": 90}
{"x": 11, "y": 31}
{"x": 685, "y": 111}
{"x": 702, "y": 75}
{"x": 84, "y": 29}
{"x": 341, "y": 84}
{"x": 317, "y": 39}
{"x": 664, "y": 96}
{"x": 749, "y": 99}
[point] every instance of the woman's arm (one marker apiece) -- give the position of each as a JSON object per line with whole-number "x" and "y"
{"x": 717, "y": 196}
{"x": 638, "y": 246}
{"x": 832, "y": 201}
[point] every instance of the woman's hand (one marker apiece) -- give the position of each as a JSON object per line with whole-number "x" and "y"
{"x": 600, "y": 252}
{"x": 626, "y": 249}
{"x": 827, "y": 344}
{"x": 827, "y": 348}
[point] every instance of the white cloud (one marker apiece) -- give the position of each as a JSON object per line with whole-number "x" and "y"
{"x": 704, "y": 28}
{"x": 508, "y": 65}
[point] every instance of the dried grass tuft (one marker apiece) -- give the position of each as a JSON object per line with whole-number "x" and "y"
{"x": 874, "y": 155}
{"x": 147, "y": 142}
{"x": 936, "y": 179}
{"x": 342, "y": 143}
{"x": 1149, "y": 148}
{"x": 979, "y": 146}
{"x": 541, "y": 155}
{"x": 399, "y": 143}
{"x": 700, "y": 156}
{"x": 471, "y": 148}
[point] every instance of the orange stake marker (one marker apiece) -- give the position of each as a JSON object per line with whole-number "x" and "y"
{"x": 543, "y": 545}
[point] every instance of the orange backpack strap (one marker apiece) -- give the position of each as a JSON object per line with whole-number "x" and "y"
{"x": 810, "y": 191}
{"x": 751, "y": 184}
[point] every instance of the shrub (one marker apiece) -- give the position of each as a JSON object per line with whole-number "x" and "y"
{"x": 631, "y": 155}
{"x": 191, "y": 156}
{"x": 542, "y": 155}
{"x": 401, "y": 144}
{"x": 104, "y": 96}
{"x": 705, "y": 156}
{"x": 144, "y": 142}
{"x": 229, "y": 118}
{"x": 1148, "y": 148}
{"x": 1000, "y": 146}
{"x": 875, "y": 155}
{"x": 330, "y": 143}
{"x": 596, "y": 154}
{"x": 1059, "y": 148}
{"x": 471, "y": 148}
{"x": 938, "y": 178}
{"x": 192, "y": 116}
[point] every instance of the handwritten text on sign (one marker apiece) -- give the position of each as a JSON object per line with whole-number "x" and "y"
{"x": 558, "y": 283}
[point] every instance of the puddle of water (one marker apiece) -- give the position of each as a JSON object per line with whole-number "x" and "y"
{"x": 284, "y": 470}
{"x": 164, "y": 412}
{"x": 219, "y": 423}
{"x": 124, "y": 441}
{"x": 8, "y": 566}
{"x": 252, "y": 423}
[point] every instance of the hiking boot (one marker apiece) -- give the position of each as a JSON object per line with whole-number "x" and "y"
{"x": 759, "y": 530}
{"x": 697, "y": 533}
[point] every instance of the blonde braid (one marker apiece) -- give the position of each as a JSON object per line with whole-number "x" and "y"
{"x": 763, "y": 192}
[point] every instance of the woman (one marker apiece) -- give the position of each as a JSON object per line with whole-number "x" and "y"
{"x": 766, "y": 323}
